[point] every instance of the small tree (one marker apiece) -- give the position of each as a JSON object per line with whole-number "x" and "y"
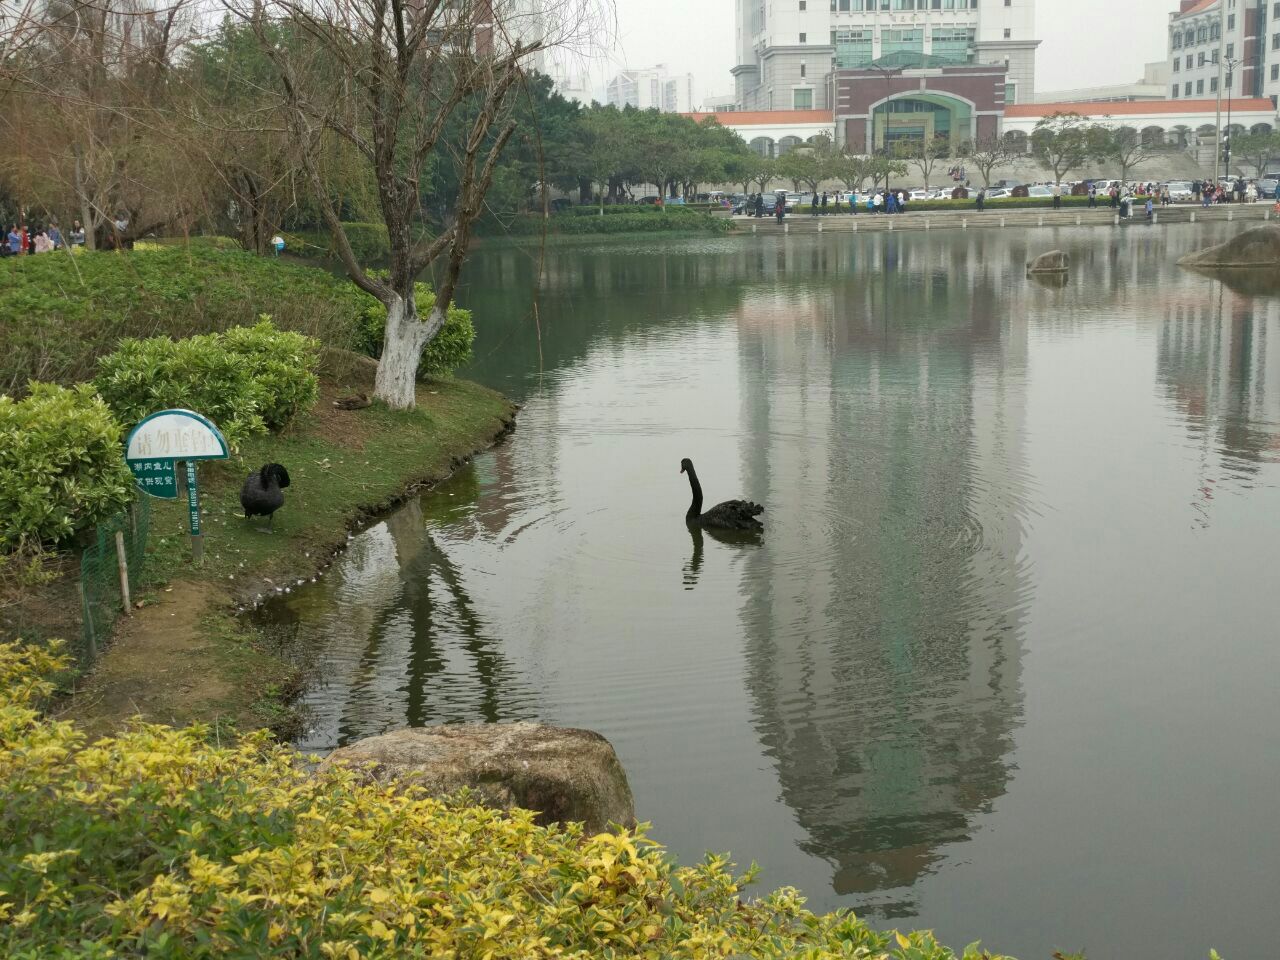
{"x": 988, "y": 153}
{"x": 600, "y": 129}
{"x": 407, "y": 86}
{"x": 882, "y": 168}
{"x": 925, "y": 155}
{"x": 1257, "y": 149}
{"x": 1061, "y": 143}
{"x": 801, "y": 166}
{"x": 850, "y": 170}
{"x": 766, "y": 172}
{"x": 1123, "y": 147}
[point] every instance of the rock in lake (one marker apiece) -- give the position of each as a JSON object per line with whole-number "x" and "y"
{"x": 1055, "y": 261}
{"x": 561, "y": 773}
{"x": 1249, "y": 249}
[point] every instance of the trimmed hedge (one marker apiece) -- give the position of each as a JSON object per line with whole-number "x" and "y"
{"x": 62, "y": 468}
{"x": 247, "y": 380}
{"x": 157, "y": 843}
{"x": 59, "y": 311}
{"x": 631, "y": 221}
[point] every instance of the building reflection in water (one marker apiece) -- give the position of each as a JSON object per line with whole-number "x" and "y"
{"x": 886, "y": 683}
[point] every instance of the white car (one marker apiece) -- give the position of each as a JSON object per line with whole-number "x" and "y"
{"x": 919, "y": 194}
{"x": 1179, "y": 190}
{"x": 1038, "y": 191}
{"x": 999, "y": 193}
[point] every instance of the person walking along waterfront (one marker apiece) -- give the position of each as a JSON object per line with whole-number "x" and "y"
{"x": 982, "y": 199}
{"x": 1057, "y": 196}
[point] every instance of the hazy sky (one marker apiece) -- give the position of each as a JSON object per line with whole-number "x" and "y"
{"x": 1086, "y": 42}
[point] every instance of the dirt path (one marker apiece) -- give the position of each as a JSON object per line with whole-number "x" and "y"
{"x": 167, "y": 666}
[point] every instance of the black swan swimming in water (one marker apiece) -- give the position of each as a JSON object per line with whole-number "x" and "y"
{"x": 730, "y": 515}
{"x": 262, "y": 494}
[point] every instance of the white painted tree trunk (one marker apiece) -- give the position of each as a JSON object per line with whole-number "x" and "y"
{"x": 406, "y": 334}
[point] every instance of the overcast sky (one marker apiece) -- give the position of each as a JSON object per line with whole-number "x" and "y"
{"x": 1086, "y": 42}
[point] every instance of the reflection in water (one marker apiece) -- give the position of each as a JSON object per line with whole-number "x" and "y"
{"x": 977, "y": 545}
{"x": 404, "y": 644}
{"x": 885, "y": 680}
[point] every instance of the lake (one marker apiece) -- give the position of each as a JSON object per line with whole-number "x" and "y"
{"x": 1005, "y": 661}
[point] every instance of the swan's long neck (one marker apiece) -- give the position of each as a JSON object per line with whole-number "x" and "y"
{"x": 695, "y": 508}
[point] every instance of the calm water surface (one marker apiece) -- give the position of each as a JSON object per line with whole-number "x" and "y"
{"x": 1005, "y": 663}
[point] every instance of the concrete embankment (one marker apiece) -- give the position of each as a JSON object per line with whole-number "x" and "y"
{"x": 805, "y": 223}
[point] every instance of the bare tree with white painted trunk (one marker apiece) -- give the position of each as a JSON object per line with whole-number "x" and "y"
{"x": 405, "y": 84}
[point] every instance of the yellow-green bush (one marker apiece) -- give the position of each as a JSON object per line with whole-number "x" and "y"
{"x": 157, "y": 844}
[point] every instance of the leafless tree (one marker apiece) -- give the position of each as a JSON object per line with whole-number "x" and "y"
{"x": 88, "y": 104}
{"x": 405, "y": 84}
{"x": 988, "y": 153}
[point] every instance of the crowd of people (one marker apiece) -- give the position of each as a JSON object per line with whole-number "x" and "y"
{"x": 24, "y": 240}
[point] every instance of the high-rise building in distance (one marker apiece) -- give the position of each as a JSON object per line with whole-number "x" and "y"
{"x": 787, "y": 50}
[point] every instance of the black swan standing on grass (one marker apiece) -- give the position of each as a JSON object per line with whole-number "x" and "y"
{"x": 730, "y": 515}
{"x": 262, "y": 494}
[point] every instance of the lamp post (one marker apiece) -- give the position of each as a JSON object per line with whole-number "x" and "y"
{"x": 1226, "y": 139}
{"x": 1217, "y": 119}
{"x": 885, "y": 73}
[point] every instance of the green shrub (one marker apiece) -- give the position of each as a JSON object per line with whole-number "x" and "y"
{"x": 634, "y": 220}
{"x": 59, "y": 313}
{"x": 451, "y": 347}
{"x": 282, "y": 367}
{"x": 368, "y": 242}
{"x": 246, "y": 380}
{"x": 158, "y": 844}
{"x": 62, "y": 467}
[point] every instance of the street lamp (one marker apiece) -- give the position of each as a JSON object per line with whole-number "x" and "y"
{"x": 885, "y": 73}
{"x": 1231, "y": 64}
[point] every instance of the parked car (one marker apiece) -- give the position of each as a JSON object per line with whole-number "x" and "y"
{"x": 1180, "y": 191}
{"x": 998, "y": 193}
{"x": 561, "y": 203}
{"x": 1039, "y": 191}
{"x": 1267, "y": 187}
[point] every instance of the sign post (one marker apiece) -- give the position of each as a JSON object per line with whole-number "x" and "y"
{"x": 193, "y": 510}
{"x": 156, "y": 445}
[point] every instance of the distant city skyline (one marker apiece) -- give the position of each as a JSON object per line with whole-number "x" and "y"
{"x": 1085, "y": 43}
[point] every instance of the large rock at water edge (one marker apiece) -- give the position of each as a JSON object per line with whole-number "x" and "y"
{"x": 1055, "y": 261}
{"x": 561, "y": 773}
{"x": 1256, "y": 247}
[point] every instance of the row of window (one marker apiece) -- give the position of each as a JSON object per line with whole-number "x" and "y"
{"x": 1213, "y": 85}
{"x": 861, "y": 6}
{"x": 1202, "y": 34}
{"x": 1201, "y": 59}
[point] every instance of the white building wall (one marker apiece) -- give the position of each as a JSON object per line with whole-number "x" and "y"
{"x": 1196, "y": 44}
{"x": 772, "y": 36}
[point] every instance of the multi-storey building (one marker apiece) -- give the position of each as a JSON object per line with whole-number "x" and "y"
{"x": 788, "y": 50}
{"x": 652, "y": 88}
{"x": 1206, "y": 37}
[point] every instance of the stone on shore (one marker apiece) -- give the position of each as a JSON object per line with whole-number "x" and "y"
{"x": 561, "y": 773}
{"x": 1055, "y": 261}
{"x": 1249, "y": 249}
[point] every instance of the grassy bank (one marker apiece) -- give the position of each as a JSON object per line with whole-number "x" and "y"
{"x": 183, "y": 657}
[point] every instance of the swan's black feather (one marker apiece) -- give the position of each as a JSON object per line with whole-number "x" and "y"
{"x": 733, "y": 515}
{"x": 262, "y": 493}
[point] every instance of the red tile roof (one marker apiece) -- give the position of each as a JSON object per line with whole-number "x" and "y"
{"x": 753, "y": 117}
{"x": 1200, "y": 7}
{"x": 1139, "y": 107}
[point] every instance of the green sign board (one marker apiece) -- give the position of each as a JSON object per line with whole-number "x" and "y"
{"x": 156, "y": 477}
{"x": 156, "y": 445}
